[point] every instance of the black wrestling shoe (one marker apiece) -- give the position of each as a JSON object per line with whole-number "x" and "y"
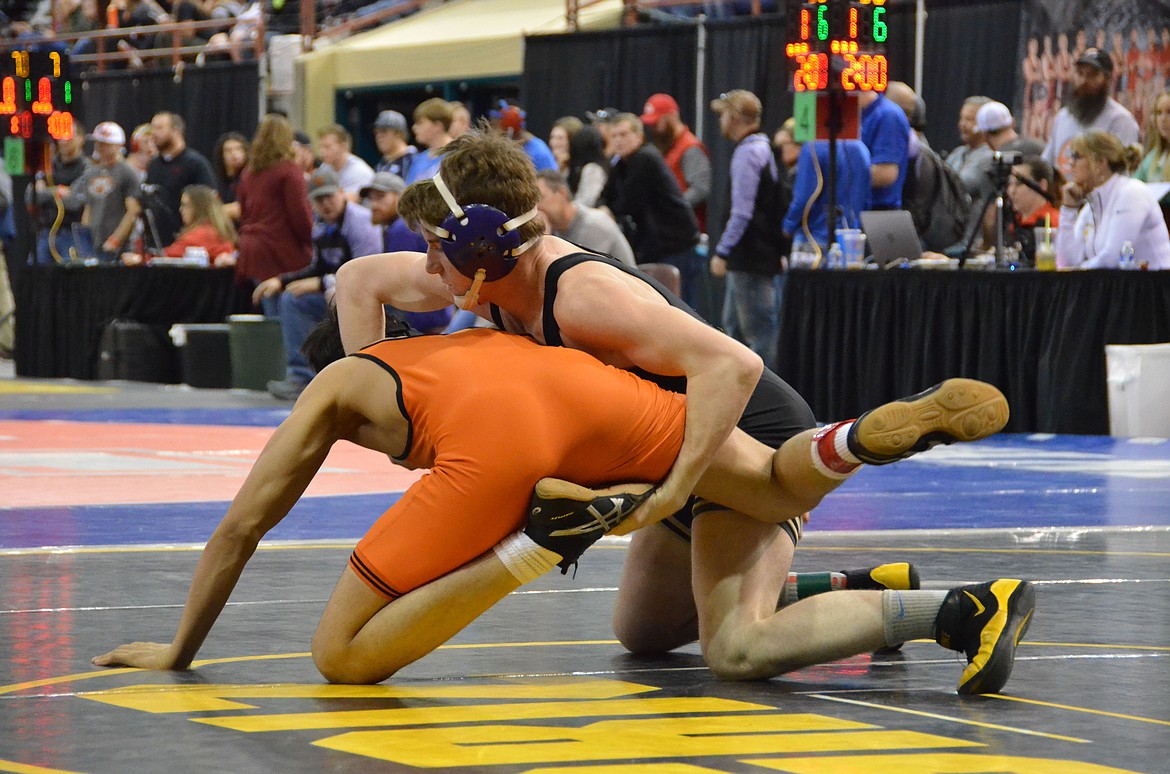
{"x": 986, "y": 621}
{"x": 955, "y": 410}
{"x": 897, "y": 576}
{"x": 566, "y": 518}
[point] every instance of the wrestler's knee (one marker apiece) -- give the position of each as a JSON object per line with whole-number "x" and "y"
{"x": 735, "y": 661}
{"x": 646, "y": 636}
{"x": 338, "y": 664}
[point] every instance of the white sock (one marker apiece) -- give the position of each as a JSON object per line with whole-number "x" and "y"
{"x": 830, "y": 451}
{"x": 909, "y": 615}
{"x": 524, "y": 558}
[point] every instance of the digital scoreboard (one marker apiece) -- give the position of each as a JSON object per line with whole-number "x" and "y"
{"x": 37, "y": 95}
{"x": 837, "y": 45}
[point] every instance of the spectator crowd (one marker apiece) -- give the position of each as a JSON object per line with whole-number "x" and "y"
{"x": 287, "y": 209}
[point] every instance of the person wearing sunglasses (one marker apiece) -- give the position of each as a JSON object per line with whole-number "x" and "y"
{"x": 1103, "y": 209}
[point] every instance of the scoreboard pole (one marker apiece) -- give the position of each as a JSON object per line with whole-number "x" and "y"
{"x": 835, "y": 48}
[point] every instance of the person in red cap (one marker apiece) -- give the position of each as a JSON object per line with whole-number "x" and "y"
{"x": 509, "y": 120}
{"x": 686, "y": 156}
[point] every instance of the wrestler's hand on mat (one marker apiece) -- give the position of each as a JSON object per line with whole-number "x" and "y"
{"x": 144, "y": 655}
{"x": 657, "y": 507}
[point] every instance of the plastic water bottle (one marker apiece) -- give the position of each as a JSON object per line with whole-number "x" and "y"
{"x": 836, "y": 256}
{"x": 1127, "y": 260}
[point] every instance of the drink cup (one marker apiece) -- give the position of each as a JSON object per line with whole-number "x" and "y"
{"x": 1045, "y": 248}
{"x": 852, "y": 241}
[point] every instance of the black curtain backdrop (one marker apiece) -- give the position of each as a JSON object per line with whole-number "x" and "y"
{"x": 570, "y": 74}
{"x": 64, "y": 309}
{"x": 216, "y": 98}
{"x": 851, "y": 340}
{"x": 970, "y": 49}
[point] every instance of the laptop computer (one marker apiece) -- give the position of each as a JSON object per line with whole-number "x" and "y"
{"x": 891, "y": 236}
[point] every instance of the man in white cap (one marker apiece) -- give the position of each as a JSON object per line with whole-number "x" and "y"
{"x": 995, "y": 121}
{"x": 110, "y": 188}
{"x": 390, "y": 135}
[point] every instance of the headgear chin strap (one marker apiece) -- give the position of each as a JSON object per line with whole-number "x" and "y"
{"x": 479, "y": 240}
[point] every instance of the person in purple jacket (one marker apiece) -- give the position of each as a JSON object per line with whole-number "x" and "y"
{"x": 342, "y": 230}
{"x": 745, "y": 255}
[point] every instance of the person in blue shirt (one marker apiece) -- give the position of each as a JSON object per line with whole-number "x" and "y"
{"x": 885, "y": 130}
{"x": 432, "y": 130}
{"x": 808, "y": 219}
{"x": 509, "y": 119}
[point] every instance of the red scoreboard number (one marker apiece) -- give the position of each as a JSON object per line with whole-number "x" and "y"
{"x": 827, "y": 37}
{"x": 36, "y": 95}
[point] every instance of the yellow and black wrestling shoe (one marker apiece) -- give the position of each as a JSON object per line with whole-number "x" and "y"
{"x": 986, "y": 621}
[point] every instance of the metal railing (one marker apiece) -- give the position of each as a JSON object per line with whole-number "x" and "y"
{"x": 630, "y": 9}
{"x": 176, "y": 32}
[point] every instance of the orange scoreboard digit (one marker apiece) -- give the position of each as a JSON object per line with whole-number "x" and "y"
{"x": 37, "y": 95}
{"x": 837, "y": 44}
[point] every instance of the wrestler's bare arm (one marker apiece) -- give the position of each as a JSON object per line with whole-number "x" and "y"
{"x": 365, "y": 284}
{"x": 645, "y": 331}
{"x": 290, "y": 459}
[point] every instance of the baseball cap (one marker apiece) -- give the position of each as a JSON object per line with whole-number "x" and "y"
{"x": 657, "y": 106}
{"x": 992, "y": 117}
{"x": 1095, "y": 57}
{"x": 602, "y": 115}
{"x": 741, "y": 101}
{"x": 385, "y": 181}
{"x": 323, "y": 182}
{"x": 302, "y": 138}
{"x": 509, "y": 117}
{"x": 390, "y": 119}
{"x": 108, "y": 132}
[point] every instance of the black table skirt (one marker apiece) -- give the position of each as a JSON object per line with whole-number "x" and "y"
{"x": 852, "y": 340}
{"x": 62, "y": 311}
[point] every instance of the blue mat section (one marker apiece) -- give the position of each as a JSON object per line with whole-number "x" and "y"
{"x": 241, "y": 417}
{"x": 313, "y": 518}
{"x": 1010, "y": 481}
{"x": 1005, "y": 482}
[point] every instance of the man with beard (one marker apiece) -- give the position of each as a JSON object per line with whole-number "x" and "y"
{"x": 1089, "y": 107}
{"x": 685, "y": 154}
{"x": 174, "y": 168}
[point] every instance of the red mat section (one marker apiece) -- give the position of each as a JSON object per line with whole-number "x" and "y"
{"x": 83, "y": 463}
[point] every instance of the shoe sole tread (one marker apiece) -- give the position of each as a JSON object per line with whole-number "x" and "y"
{"x": 957, "y": 410}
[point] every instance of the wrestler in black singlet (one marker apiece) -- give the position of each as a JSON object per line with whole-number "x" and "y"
{"x": 774, "y": 413}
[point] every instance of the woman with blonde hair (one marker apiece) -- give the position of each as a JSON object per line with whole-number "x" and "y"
{"x": 1103, "y": 209}
{"x": 205, "y": 226}
{"x": 276, "y": 221}
{"x": 1155, "y": 167}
